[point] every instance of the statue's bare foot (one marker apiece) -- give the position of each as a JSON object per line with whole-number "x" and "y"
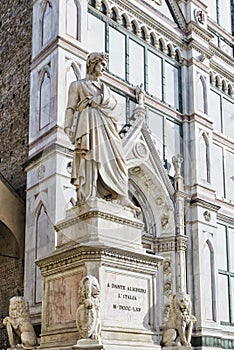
{"x": 125, "y": 202}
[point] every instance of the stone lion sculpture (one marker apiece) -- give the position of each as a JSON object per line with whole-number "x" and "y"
{"x": 178, "y": 329}
{"x": 88, "y": 312}
{"x": 18, "y": 322}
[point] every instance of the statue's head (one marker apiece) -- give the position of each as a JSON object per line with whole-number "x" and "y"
{"x": 96, "y": 63}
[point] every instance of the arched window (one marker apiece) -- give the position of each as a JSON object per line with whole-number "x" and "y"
{"x": 177, "y": 56}
{"x": 123, "y": 22}
{"x": 72, "y": 19}
{"x": 103, "y": 8}
{"x": 151, "y": 40}
{"x": 44, "y": 108}
{"x": 142, "y": 34}
{"x": 133, "y": 28}
{"x": 71, "y": 76}
{"x": 209, "y": 282}
{"x": 202, "y": 95}
{"x": 113, "y": 15}
{"x": 46, "y": 23}
{"x": 42, "y": 244}
{"x": 161, "y": 45}
{"x": 204, "y": 158}
{"x": 230, "y": 90}
{"x": 169, "y": 51}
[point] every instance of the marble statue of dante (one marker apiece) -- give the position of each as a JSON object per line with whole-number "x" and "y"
{"x": 99, "y": 167}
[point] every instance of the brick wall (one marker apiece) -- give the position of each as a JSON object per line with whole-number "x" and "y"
{"x": 15, "y": 48}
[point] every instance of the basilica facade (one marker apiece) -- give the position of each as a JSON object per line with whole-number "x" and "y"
{"x": 171, "y": 70}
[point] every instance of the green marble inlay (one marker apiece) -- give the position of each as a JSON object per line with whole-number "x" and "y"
{"x": 215, "y": 342}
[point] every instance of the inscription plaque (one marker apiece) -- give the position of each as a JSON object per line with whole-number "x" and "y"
{"x": 126, "y": 300}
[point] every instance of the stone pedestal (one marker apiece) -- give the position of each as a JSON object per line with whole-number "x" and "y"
{"x": 98, "y": 222}
{"x": 103, "y": 240}
{"x": 179, "y": 347}
{"x": 88, "y": 344}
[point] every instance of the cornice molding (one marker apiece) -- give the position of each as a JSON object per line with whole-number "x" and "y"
{"x": 146, "y": 20}
{"x": 48, "y": 150}
{"x": 225, "y": 218}
{"x": 93, "y": 214}
{"x": 192, "y": 44}
{"x": 204, "y": 204}
{"x": 76, "y": 254}
{"x": 193, "y": 27}
{"x": 171, "y": 243}
{"x": 222, "y": 71}
{"x": 219, "y": 53}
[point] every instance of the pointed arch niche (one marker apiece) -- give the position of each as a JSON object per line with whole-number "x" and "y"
{"x": 41, "y": 247}
{"x": 72, "y": 73}
{"x": 44, "y": 98}
{"x": 202, "y": 95}
{"x": 73, "y": 18}
{"x": 147, "y": 191}
{"x": 209, "y": 282}
{"x": 47, "y": 15}
{"x": 43, "y": 244}
{"x": 204, "y": 156}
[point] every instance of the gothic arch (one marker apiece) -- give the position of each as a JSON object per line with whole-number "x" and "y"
{"x": 224, "y": 86}
{"x": 41, "y": 199}
{"x": 144, "y": 30}
{"x": 45, "y": 69}
{"x": 146, "y": 184}
{"x": 212, "y": 78}
{"x": 75, "y": 66}
{"x": 218, "y": 81}
{"x": 178, "y": 55}
{"x": 73, "y": 18}
{"x": 171, "y": 51}
{"x": 135, "y": 24}
{"x": 209, "y": 285}
{"x": 230, "y": 90}
{"x": 114, "y": 9}
{"x": 106, "y": 6}
{"x": 202, "y": 95}
{"x": 44, "y": 97}
{"x": 46, "y": 17}
{"x": 162, "y": 45}
{"x": 72, "y": 73}
{"x": 205, "y": 157}
{"x": 124, "y": 17}
{"x": 153, "y": 39}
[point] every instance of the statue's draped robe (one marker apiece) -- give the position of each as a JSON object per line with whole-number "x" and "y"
{"x": 99, "y": 166}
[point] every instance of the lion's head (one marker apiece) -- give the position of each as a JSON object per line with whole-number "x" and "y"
{"x": 183, "y": 302}
{"x": 181, "y": 306}
{"x": 88, "y": 288}
{"x": 18, "y": 308}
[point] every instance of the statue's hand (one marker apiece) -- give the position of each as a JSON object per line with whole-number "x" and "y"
{"x": 95, "y": 101}
{"x": 69, "y": 132}
{"x": 83, "y": 103}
